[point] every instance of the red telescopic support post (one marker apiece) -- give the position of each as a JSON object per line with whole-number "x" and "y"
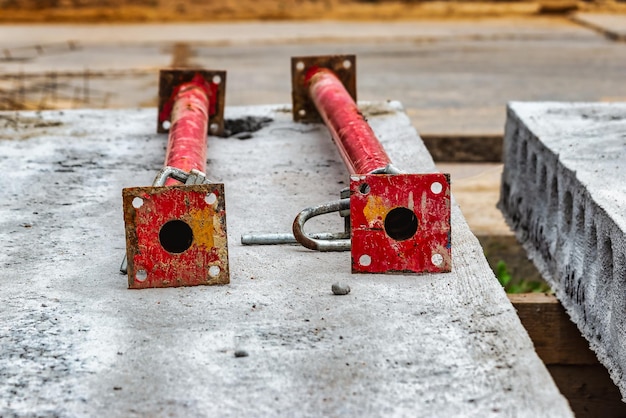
{"x": 176, "y": 229}
{"x": 360, "y": 149}
{"x": 399, "y": 223}
{"x": 186, "y": 146}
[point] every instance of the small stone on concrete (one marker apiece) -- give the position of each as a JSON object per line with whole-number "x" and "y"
{"x": 340, "y": 289}
{"x": 241, "y": 353}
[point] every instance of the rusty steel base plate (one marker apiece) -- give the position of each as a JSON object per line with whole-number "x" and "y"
{"x": 176, "y": 236}
{"x": 170, "y": 79}
{"x": 400, "y": 223}
{"x": 344, "y": 67}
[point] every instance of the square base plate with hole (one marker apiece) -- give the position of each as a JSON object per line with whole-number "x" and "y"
{"x": 176, "y": 236}
{"x": 170, "y": 79}
{"x": 400, "y": 223}
{"x": 344, "y": 67}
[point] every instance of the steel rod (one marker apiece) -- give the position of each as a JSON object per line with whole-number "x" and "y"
{"x": 186, "y": 146}
{"x": 359, "y": 147}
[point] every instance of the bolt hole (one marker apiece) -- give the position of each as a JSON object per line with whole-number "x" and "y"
{"x": 437, "y": 259}
{"x": 299, "y": 66}
{"x": 210, "y": 198}
{"x": 364, "y": 188}
{"x": 401, "y": 223}
{"x": 347, "y": 64}
{"x": 365, "y": 260}
{"x": 436, "y": 187}
{"x": 217, "y": 79}
{"x": 137, "y": 202}
{"x": 213, "y": 127}
{"x": 176, "y": 236}
{"x": 141, "y": 275}
{"x": 214, "y": 271}
{"x": 302, "y": 112}
{"x": 166, "y": 124}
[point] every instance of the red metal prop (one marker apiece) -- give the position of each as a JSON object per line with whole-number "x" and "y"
{"x": 400, "y": 223}
{"x": 176, "y": 234}
{"x": 186, "y": 147}
{"x": 360, "y": 149}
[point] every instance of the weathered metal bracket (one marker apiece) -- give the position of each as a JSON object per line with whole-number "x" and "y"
{"x": 344, "y": 67}
{"x": 169, "y": 80}
{"x": 176, "y": 236}
{"x": 400, "y": 223}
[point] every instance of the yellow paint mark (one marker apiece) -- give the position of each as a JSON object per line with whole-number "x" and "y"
{"x": 201, "y": 223}
{"x": 375, "y": 207}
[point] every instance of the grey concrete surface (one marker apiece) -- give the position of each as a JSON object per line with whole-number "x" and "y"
{"x": 564, "y": 193}
{"x": 74, "y": 341}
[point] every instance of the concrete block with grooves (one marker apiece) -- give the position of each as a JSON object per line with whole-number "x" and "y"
{"x": 564, "y": 193}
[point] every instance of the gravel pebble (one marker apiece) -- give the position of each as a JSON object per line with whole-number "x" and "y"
{"x": 340, "y": 289}
{"x": 241, "y": 353}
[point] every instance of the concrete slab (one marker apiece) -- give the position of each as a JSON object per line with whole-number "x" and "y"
{"x": 564, "y": 193}
{"x": 75, "y": 341}
{"x": 613, "y": 26}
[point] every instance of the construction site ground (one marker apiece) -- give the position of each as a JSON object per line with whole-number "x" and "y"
{"x": 454, "y": 66}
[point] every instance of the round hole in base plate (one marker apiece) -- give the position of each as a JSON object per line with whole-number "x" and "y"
{"x": 141, "y": 275}
{"x": 347, "y": 64}
{"x": 217, "y": 79}
{"x": 437, "y": 259}
{"x": 213, "y": 127}
{"x": 214, "y": 271}
{"x": 364, "y": 188}
{"x": 176, "y": 236}
{"x": 302, "y": 112}
{"x": 137, "y": 202}
{"x": 299, "y": 66}
{"x": 400, "y": 223}
{"x": 365, "y": 260}
{"x": 166, "y": 124}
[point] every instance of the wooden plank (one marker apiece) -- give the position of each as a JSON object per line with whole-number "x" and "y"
{"x": 579, "y": 376}
{"x": 556, "y": 338}
{"x": 589, "y": 389}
